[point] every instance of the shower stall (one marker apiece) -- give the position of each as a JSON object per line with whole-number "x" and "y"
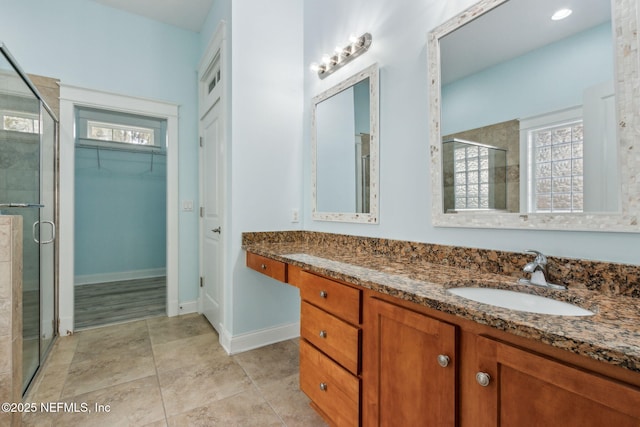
{"x": 28, "y": 146}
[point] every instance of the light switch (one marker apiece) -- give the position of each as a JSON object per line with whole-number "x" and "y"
{"x": 187, "y": 205}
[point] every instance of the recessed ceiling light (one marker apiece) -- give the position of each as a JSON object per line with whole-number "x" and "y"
{"x": 561, "y": 14}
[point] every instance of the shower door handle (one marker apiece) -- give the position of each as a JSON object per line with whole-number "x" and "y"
{"x": 53, "y": 232}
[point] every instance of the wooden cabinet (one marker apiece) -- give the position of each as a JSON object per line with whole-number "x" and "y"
{"x": 270, "y": 267}
{"x": 330, "y": 348}
{"x": 409, "y": 363}
{"x": 374, "y": 360}
{"x": 487, "y": 382}
{"x": 524, "y": 388}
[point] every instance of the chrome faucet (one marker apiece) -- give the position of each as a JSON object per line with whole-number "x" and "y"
{"x": 538, "y": 270}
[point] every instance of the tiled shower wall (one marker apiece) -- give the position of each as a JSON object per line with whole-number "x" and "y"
{"x": 10, "y": 316}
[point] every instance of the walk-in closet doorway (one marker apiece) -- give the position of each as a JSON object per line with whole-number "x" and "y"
{"x": 120, "y": 217}
{"x": 109, "y": 136}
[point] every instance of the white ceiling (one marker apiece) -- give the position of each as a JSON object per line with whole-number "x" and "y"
{"x": 187, "y": 14}
{"x": 512, "y": 29}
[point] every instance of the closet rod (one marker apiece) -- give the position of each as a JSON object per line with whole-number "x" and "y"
{"x": 146, "y": 150}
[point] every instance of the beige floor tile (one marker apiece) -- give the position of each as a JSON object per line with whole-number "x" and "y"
{"x": 242, "y": 410}
{"x": 291, "y": 404}
{"x": 37, "y": 419}
{"x": 135, "y": 403}
{"x": 62, "y": 351}
{"x": 106, "y": 371}
{"x": 188, "y": 351}
{"x": 49, "y": 384}
{"x": 189, "y": 387}
{"x": 166, "y": 329}
{"x": 271, "y": 363}
{"x": 119, "y": 341}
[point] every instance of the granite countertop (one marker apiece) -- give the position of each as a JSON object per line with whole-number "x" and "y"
{"x": 612, "y": 335}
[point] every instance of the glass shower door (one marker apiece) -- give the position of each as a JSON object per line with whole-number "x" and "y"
{"x": 27, "y": 188}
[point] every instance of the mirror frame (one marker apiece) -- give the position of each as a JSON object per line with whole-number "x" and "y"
{"x": 627, "y": 40}
{"x": 371, "y": 217}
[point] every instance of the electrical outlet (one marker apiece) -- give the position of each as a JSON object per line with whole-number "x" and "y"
{"x": 295, "y": 217}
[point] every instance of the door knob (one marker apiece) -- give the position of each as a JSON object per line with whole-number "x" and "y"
{"x": 483, "y": 379}
{"x": 443, "y": 360}
{"x": 217, "y": 230}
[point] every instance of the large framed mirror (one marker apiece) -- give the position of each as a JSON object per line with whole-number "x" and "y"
{"x": 344, "y": 139}
{"x": 535, "y": 121}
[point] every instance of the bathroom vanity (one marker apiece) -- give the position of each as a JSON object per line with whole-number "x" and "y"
{"x": 384, "y": 343}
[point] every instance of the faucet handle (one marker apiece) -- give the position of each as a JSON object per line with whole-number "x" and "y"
{"x": 540, "y": 257}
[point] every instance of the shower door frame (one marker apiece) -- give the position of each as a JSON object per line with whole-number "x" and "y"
{"x": 44, "y": 108}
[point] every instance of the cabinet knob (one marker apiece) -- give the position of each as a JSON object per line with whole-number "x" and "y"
{"x": 483, "y": 378}
{"x": 443, "y": 360}
{"x": 323, "y": 334}
{"x": 323, "y": 294}
{"x": 323, "y": 386}
{"x": 263, "y": 266}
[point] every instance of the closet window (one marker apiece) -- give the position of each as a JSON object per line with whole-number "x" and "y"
{"x": 119, "y": 133}
{"x": 112, "y": 128}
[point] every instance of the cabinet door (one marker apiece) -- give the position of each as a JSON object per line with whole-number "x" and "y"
{"x": 528, "y": 389}
{"x": 403, "y": 381}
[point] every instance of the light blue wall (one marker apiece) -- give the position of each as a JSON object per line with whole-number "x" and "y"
{"x": 86, "y": 44}
{"x": 399, "y": 32}
{"x": 120, "y": 212}
{"x": 548, "y": 79}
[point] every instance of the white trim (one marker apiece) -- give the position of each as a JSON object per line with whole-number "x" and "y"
{"x": 70, "y": 96}
{"x": 88, "y": 279}
{"x": 188, "y": 307}
{"x": 260, "y": 338}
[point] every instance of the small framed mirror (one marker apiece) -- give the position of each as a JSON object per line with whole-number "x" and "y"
{"x": 344, "y": 145}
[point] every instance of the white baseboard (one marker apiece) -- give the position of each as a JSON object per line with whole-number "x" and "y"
{"x": 188, "y": 307}
{"x": 249, "y": 341}
{"x": 89, "y": 279}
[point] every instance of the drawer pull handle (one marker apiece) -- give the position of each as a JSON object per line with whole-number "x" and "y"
{"x": 323, "y": 386}
{"x": 323, "y": 334}
{"x": 323, "y": 294}
{"x": 263, "y": 266}
{"x": 483, "y": 379}
{"x": 443, "y": 360}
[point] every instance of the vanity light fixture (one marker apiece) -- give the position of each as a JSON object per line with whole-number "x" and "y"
{"x": 342, "y": 55}
{"x": 561, "y": 14}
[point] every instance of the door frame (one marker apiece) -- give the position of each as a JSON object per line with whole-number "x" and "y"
{"x": 70, "y": 97}
{"x": 215, "y": 51}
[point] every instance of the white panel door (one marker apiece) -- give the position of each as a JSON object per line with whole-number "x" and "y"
{"x": 212, "y": 164}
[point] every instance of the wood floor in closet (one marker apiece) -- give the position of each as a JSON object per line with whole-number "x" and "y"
{"x": 108, "y": 303}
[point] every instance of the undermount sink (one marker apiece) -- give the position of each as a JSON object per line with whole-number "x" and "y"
{"x": 520, "y": 301}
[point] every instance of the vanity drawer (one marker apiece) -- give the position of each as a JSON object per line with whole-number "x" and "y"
{"x": 331, "y": 388}
{"x": 334, "y": 297}
{"x": 268, "y": 266}
{"x": 337, "y": 338}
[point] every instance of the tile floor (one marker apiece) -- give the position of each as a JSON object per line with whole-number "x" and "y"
{"x": 169, "y": 372}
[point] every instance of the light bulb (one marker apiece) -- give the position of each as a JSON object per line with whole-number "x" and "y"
{"x": 354, "y": 39}
{"x": 326, "y": 59}
{"x": 314, "y": 67}
{"x": 561, "y": 14}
